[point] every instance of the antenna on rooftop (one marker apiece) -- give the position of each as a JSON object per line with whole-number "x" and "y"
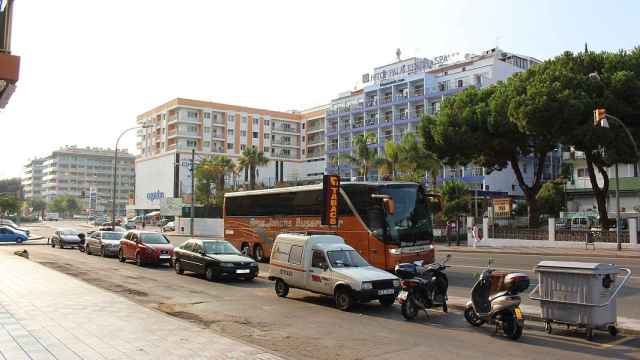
{"x": 398, "y": 53}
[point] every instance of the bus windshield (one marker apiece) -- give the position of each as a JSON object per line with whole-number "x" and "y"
{"x": 411, "y": 222}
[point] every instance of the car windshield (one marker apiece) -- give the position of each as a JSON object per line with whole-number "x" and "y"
{"x": 151, "y": 238}
{"x": 69, "y": 232}
{"x": 110, "y": 235}
{"x": 219, "y": 248}
{"x": 345, "y": 258}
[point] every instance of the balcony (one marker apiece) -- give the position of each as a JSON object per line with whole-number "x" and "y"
{"x": 386, "y": 100}
{"x": 284, "y": 143}
{"x": 372, "y": 121}
{"x": 400, "y": 99}
{"x": 286, "y": 129}
{"x": 217, "y": 136}
{"x": 284, "y": 155}
{"x": 314, "y": 141}
{"x": 357, "y": 108}
{"x": 371, "y": 103}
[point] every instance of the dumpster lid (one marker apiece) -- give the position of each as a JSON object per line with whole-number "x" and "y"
{"x": 576, "y": 267}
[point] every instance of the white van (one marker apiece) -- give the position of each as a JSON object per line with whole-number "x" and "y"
{"x": 324, "y": 264}
{"x": 52, "y": 216}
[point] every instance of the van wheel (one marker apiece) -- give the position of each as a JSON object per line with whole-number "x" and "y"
{"x": 343, "y": 299}
{"x": 282, "y": 289}
{"x": 258, "y": 253}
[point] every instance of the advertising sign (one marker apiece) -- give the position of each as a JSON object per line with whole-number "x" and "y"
{"x": 330, "y": 191}
{"x": 171, "y": 207}
{"x": 502, "y": 207}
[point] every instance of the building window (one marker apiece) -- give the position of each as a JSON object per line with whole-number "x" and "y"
{"x": 266, "y": 122}
{"x": 255, "y": 134}
{"x": 256, "y": 121}
{"x": 207, "y": 115}
{"x": 265, "y": 149}
{"x": 244, "y": 119}
{"x": 266, "y": 136}
{"x": 243, "y": 133}
{"x": 460, "y": 83}
{"x": 207, "y": 129}
{"x": 230, "y": 132}
{"x": 229, "y": 146}
{"x": 207, "y": 144}
{"x": 191, "y": 143}
{"x": 303, "y": 126}
{"x": 242, "y": 147}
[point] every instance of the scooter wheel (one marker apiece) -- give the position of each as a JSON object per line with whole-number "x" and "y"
{"x": 409, "y": 310}
{"x": 472, "y": 318}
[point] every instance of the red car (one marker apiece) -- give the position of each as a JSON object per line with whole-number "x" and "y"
{"x": 145, "y": 247}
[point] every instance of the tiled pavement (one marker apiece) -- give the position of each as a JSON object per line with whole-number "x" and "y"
{"x": 45, "y": 314}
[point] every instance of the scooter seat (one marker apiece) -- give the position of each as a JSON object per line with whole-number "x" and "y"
{"x": 497, "y": 295}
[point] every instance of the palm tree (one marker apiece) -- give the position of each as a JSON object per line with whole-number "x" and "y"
{"x": 252, "y": 158}
{"x": 415, "y": 160}
{"x": 223, "y": 165}
{"x": 392, "y": 159}
{"x": 362, "y": 157}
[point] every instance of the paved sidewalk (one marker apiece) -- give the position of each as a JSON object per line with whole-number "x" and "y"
{"x": 45, "y": 314}
{"x": 606, "y": 253}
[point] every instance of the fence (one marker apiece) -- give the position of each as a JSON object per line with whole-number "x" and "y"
{"x": 598, "y": 236}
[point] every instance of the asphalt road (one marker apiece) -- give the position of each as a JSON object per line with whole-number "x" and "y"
{"x": 307, "y": 326}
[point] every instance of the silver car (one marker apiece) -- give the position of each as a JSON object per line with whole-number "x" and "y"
{"x": 103, "y": 243}
{"x": 67, "y": 238}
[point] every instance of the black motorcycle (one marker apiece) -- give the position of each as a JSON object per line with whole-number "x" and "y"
{"x": 423, "y": 287}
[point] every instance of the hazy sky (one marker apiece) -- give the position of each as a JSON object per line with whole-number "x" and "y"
{"x": 89, "y": 67}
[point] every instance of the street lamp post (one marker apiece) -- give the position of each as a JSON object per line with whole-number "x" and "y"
{"x": 115, "y": 172}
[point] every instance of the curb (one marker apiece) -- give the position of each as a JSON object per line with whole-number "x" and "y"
{"x": 456, "y": 305}
{"x": 539, "y": 253}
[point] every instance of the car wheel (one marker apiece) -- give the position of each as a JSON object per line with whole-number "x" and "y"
{"x": 209, "y": 273}
{"x": 258, "y": 253}
{"x": 177, "y": 266}
{"x": 387, "y": 301}
{"x": 87, "y": 249}
{"x": 343, "y": 299}
{"x": 121, "y": 256}
{"x": 102, "y": 251}
{"x": 282, "y": 289}
{"x": 53, "y": 244}
{"x": 139, "y": 260}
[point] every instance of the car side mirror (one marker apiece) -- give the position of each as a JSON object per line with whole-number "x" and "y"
{"x": 325, "y": 267}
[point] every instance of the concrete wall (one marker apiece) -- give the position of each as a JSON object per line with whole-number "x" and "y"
{"x": 201, "y": 227}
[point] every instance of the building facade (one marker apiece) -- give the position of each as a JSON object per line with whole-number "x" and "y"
{"x": 395, "y": 97}
{"x": 293, "y": 142}
{"x": 81, "y": 172}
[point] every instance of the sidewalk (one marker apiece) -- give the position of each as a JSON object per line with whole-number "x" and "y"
{"x": 606, "y": 253}
{"x": 45, "y": 314}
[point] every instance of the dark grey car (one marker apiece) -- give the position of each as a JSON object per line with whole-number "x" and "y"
{"x": 67, "y": 238}
{"x": 103, "y": 243}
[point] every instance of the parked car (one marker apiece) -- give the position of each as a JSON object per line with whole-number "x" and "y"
{"x": 8, "y": 233}
{"x": 103, "y": 243}
{"x": 170, "y": 226}
{"x": 52, "y": 216}
{"x": 145, "y": 247}
{"x": 11, "y": 224}
{"x": 130, "y": 225}
{"x": 67, "y": 237}
{"x": 324, "y": 264}
{"x": 215, "y": 259}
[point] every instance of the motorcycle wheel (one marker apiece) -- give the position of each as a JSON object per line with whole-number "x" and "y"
{"x": 472, "y": 318}
{"x": 409, "y": 309}
{"x": 512, "y": 328}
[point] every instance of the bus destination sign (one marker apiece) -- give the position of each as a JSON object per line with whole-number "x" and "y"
{"x": 330, "y": 191}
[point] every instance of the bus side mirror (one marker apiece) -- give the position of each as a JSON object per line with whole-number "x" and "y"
{"x": 389, "y": 205}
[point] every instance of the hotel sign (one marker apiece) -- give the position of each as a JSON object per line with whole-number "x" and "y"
{"x": 397, "y": 70}
{"x": 330, "y": 191}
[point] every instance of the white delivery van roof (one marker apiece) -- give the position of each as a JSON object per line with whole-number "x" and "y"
{"x": 315, "y": 241}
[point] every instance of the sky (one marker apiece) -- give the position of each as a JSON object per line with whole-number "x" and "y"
{"x": 88, "y": 68}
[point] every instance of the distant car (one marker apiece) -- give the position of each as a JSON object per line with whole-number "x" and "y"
{"x": 130, "y": 225}
{"x": 164, "y": 222}
{"x": 215, "y": 259}
{"x": 8, "y": 234}
{"x": 67, "y": 237}
{"x": 145, "y": 247}
{"x": 13, "y": 225}
{"x": 119, "y": 229}
{"x": 103, "y": 243}
{"x": 170, "y": 226}
{"x": 52, "y": 216}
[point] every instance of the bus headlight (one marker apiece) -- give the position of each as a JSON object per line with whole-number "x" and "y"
{"x": 366, "y": 286}
{"x": 395, "y": 251}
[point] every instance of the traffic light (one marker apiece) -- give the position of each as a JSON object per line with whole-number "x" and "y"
{"x": 600, "y": 118}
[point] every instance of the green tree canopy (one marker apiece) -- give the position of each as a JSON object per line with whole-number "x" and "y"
{"x": 455, "y": 198}
{"x": 210, "y": 172}
{"x": 551, "y": 197}
{"x": 9, "y": 205}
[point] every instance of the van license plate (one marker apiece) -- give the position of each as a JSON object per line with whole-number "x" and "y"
{"x": 518, "y": 313}
{"x": 243, "y": 271}
{"x": 385, "y": 292}
{"x": 402, "y": 295}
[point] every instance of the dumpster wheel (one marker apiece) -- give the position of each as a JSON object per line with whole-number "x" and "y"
{"x": 613, "y": 331}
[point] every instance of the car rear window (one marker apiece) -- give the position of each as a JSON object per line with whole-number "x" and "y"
{"x": 111, "y": 235}
{"x": 151, "y": 238}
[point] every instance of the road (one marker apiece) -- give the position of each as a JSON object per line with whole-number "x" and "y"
{"x": 307, "y": 326}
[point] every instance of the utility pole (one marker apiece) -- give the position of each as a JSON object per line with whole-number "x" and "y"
{"x": 619, "y": 245}
{"x": 193, "y": 190}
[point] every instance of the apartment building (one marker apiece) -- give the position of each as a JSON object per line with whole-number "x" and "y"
{"x": 32, "y": 178}
{"x": 293, "y": 141}
{"x": 394, "y": 97}
{"x": 80, "y": 172}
